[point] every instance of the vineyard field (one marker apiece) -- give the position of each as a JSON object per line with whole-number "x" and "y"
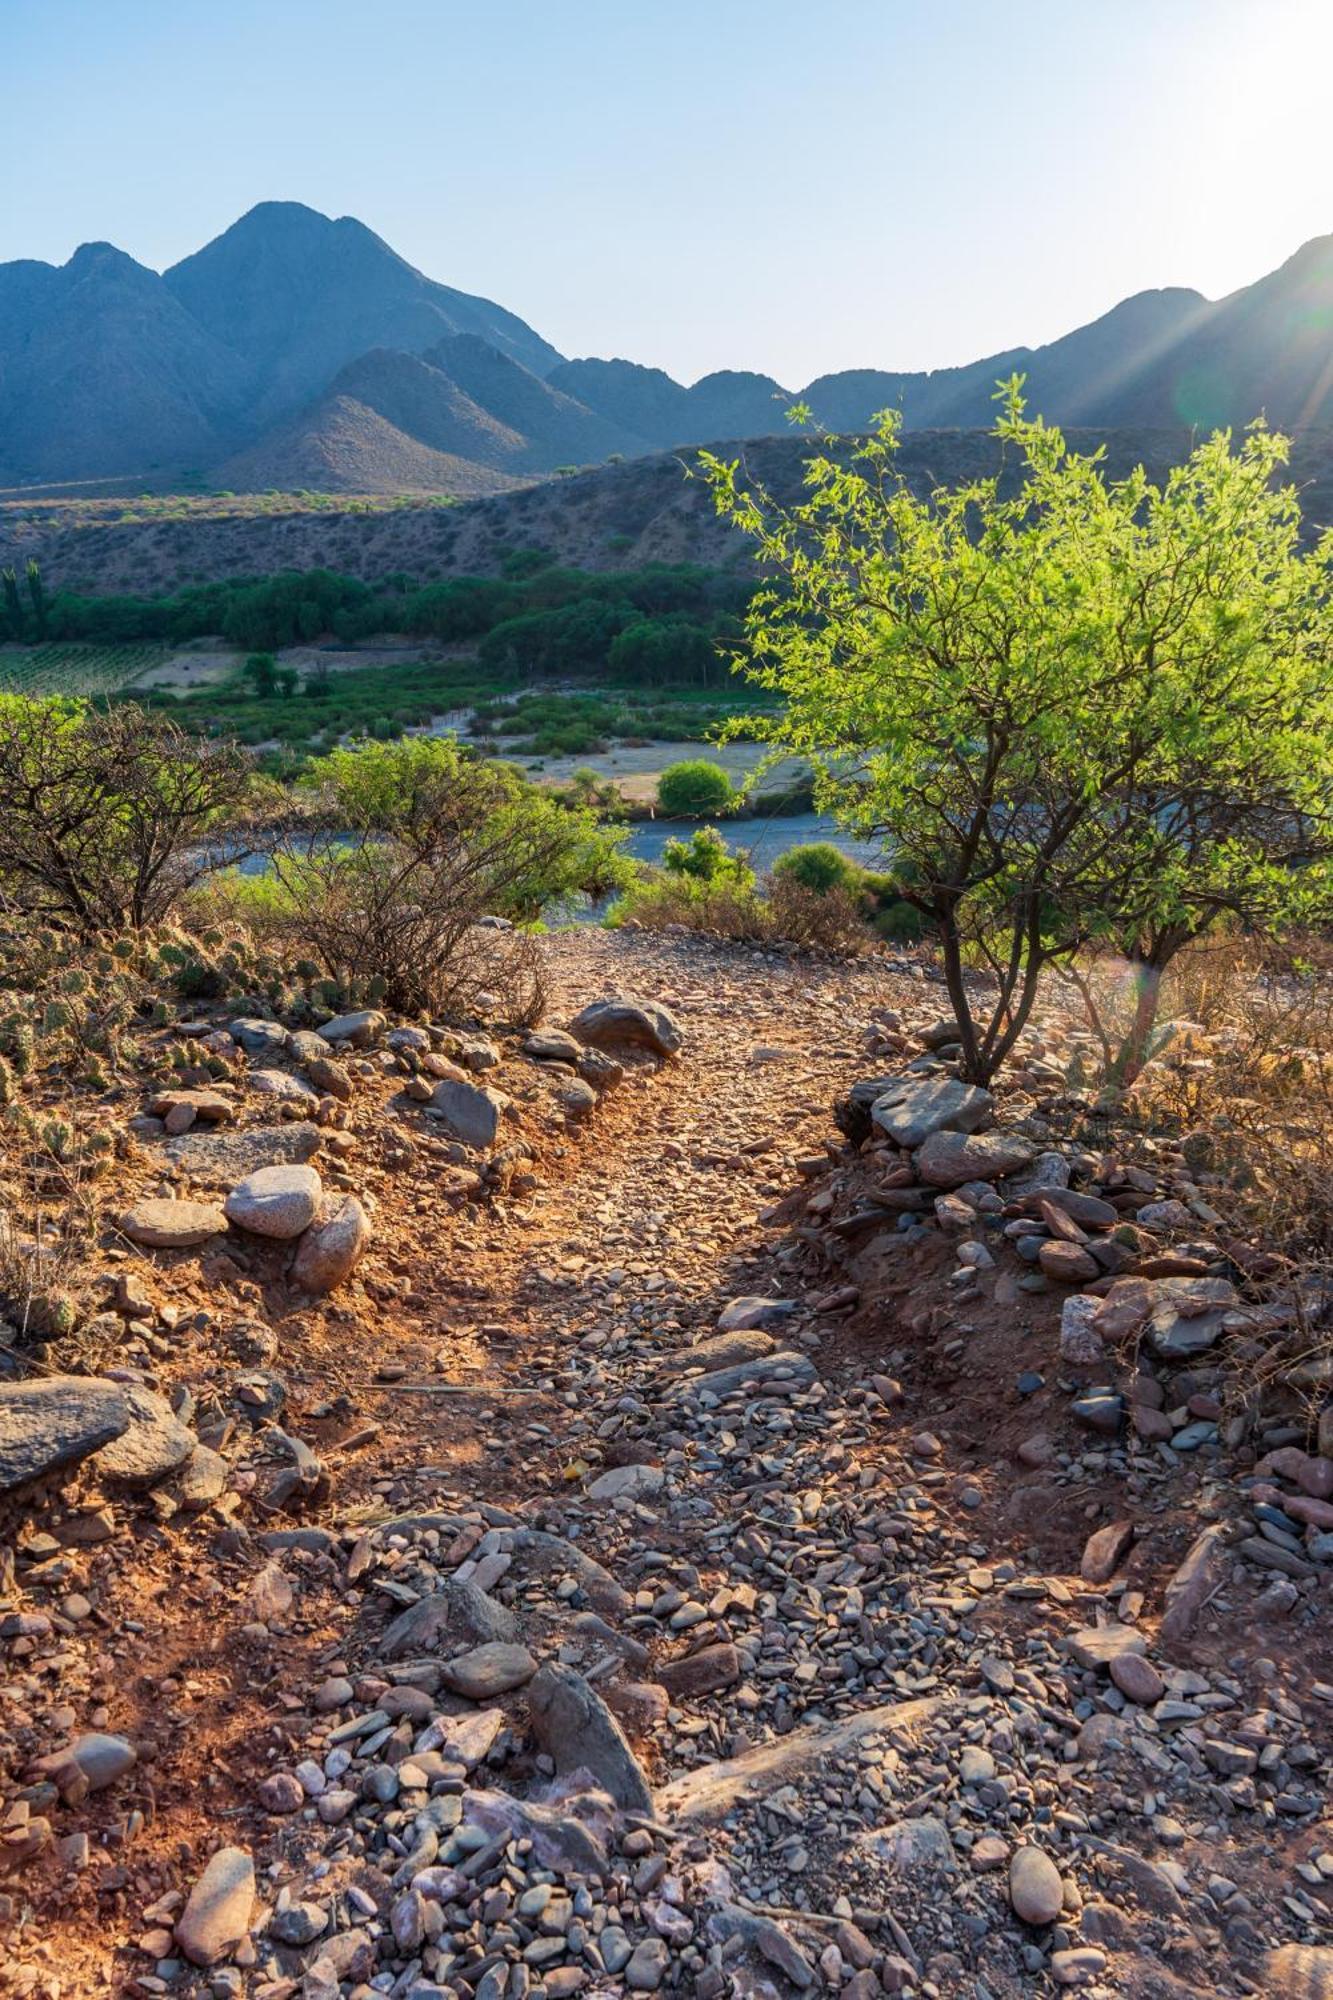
{"x": 71, "y": 668}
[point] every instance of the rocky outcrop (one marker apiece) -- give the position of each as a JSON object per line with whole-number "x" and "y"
{"x": 48, "y": 1425}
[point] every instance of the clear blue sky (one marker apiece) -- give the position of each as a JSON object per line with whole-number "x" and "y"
{"x": 699, "y": 183}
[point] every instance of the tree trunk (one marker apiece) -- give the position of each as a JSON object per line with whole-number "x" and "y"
{"x": 1134, "y": 1049}
{"x": 974, "y": 1068}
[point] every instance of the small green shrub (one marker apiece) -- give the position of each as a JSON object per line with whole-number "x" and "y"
{"x": 820, "y": 866}
{"x": 695, "y": 789}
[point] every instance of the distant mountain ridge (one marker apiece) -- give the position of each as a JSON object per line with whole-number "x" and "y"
{"x": 295, "y": 350}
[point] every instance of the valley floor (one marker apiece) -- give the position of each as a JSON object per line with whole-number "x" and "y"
{"x": 831, "y": 1598}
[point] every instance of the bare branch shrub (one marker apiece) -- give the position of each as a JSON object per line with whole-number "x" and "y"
{"x": 404, "y": 848}
{"x": 1255, "y": 1100}
{"x": 103, "y": 816}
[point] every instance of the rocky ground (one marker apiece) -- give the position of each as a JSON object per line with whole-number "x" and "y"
{"x": 576, "y": 1516}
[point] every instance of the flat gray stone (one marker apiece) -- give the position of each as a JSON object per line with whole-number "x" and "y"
{"x": 769, "y": 1374}
{"x": 48, "y": 1425}
{"x": 918, "y": 1846}
{"x": 1098, "y": 1645}
{"x": 202, "y": 1479}
{"x": 470, "y": 1111}
{"x": 739, "y": 1315}
{"x": 282, "y": 1085}
{"x": 915, "y": 1106}
{"x": 457, "y": 1610}
{"x": 628, "y": 1482}
{"x": 276, "y": 1201}
{"x": 258, "y": 1038}
{"x": 552, "y": 1045}
{"x": 488, "y": 1671}
{"x": 153, "y": 1445}
{"x": 1088, "y": 1210}
{"x": 638, "y": 1023}
{"x": 217, "y": 1913}
{"x": 172, "y": 1225}
{"x": 949, "y": 1159}
{"x": 721, "y": 1350}
{"x": 359, "y": 1028}
{"x": 223, "y": 1158}
{"x": 577, "y": 1730}
{"x": 709, "y": 1792}
{"x": 1188, "y": 1315}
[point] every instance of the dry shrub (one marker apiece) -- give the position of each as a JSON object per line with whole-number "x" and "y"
{"x": 1256, "y": 1100}
{"x": 502, "y": 975}
{"x": 1210, "y": 979}
{"x": 49, "y": 1223}
{"x": 682, "y": 902}
{"x": 819, "y": 920}
{"x": 783, "y": 912}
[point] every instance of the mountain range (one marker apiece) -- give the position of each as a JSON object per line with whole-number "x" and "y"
{"x": 295, "y": 351}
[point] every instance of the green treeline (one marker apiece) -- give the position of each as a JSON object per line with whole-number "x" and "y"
{"x": 662, "y": 623}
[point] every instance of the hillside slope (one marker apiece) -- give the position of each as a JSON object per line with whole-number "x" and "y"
{"x": 343, "y": 446}
{"x": 617, "y": 517}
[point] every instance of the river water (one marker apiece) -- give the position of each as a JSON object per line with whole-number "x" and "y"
{"x": 762, "y": 840}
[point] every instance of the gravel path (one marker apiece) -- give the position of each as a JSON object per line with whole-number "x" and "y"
{"x": 661, "y": 1602}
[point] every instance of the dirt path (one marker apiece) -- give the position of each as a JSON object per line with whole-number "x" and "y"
{"x": 830, "y": 1607}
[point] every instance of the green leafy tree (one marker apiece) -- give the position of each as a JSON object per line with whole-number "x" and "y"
{"x": 285, "y": 681}
{"x": 664, "y": 652}
{"x": 694, "y": 789}
{"x": 261, "y": 670}
{"x": 37, "y": 598}
{"x": 1077, "y": 710}
{"x": 13, "y": 604}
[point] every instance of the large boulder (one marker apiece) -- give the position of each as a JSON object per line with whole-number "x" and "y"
{"x": 913, "y": 1107}
{"x": 471, "y": 1112}
{"x": 643, "y": 1024}
{"x": 333, "y": 1245}
{"x": 276, "y": 1201}
{"x": 948, "y": 1159}
{"x": 172, "y": 1225}
{"x": 48, "y": 1425}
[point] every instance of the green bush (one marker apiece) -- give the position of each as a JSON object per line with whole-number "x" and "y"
{"x": 706, "y": 857}
{"x": 820, "y": 866}
{"x": 694, "y": 789}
